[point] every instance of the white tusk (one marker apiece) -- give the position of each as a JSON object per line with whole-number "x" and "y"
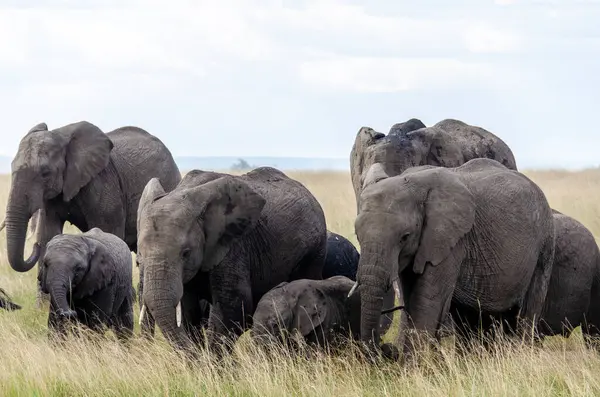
{"x": 353, "y": 289}
{"x": 142, "y": 313}
{"x": 178, "y": 314}
{"x": 399, "y": 294}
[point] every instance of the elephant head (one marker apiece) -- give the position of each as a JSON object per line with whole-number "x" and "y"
{"x": 74, "y": 266}
{"x": 49, "y": 164}
{"x": 186, "y": 231}
{"x": 401, "y": 149}
{"x": 405, "y": 223}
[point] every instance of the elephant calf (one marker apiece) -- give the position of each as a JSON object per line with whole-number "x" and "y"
{"x": 573, "y": 296}
{"x": 88, "y": 277}
{"x": 319, "y": 310}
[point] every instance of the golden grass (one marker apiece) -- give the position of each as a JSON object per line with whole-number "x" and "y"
{"x": 31, "y": 365}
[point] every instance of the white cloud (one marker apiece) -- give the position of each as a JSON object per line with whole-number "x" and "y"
{"x": 392, "y": 75}
{"x": 482, "y": 39}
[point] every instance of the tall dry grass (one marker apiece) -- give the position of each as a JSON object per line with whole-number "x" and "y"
{"x": 31, "y": 365}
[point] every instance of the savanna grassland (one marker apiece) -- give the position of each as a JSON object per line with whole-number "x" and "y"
{"x": 30, "y": 365}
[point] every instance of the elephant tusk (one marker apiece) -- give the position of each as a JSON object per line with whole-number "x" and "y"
{"x": 353, "y": 289}
{"x": 397, "y": 289}
{"x": 2, "y": 225}
{"x": 178, "y": 314}
{"x": 142, "y": 313}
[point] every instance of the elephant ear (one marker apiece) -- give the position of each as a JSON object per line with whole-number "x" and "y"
{"x": 87, "y": 154}
{"x": 443, "y": 149}
{"x": 449, "y": 214}
{"x": 231, "y": 209}
{"x": 375, "y": 174}
{"x": 152, "y": 191}
{"x": 38, "y": 128}
{"x": 365, "y": 137}
{"x": 310, "y": 311}
{"x": 101, "y": 269}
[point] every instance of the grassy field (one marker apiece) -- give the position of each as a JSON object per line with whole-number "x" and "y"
{"x": 30, "y": 365}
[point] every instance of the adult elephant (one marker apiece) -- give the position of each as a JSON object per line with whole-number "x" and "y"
{"x": 476, "y": 241}
{"x": 449, "y": 143}
{"x": 227, "y": 240}
{"x": 79, "y": 174}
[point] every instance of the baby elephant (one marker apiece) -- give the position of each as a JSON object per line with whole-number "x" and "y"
{"x": 319, "y": 310}
{"x": 88, "y": 277}
{"x": 573, "y": 296}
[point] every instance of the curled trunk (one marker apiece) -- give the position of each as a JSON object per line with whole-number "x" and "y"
{"x": 58, "y": 293}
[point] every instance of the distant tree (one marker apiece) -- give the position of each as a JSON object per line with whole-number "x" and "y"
{"x": 241, "y": 165}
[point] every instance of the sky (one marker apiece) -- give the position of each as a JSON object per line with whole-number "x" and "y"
{"x": 300, "y": 77}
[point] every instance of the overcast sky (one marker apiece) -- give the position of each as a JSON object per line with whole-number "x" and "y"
{"x": 299, "y": 78}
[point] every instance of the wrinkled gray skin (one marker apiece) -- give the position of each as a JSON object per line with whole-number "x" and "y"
{"x": 342, "y": 260}
{"x": 89, "y": 279}
{"x": 79, "y": 174}
{"x": 460, "y": 240}
{"x": 449, "y": 143}
{"x": 228, "y": 240}
{"x": 319, "y": 310}
{"x": 573, "y": 297}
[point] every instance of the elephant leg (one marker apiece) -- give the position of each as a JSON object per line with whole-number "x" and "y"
{"x": 311, "y": 265}
{"x": 195, "y": 315}
{"x": 429, "y": 305}
{"x": 232, "y": 308}
{"x": 535, "y": 296}
{"x": 123, "y": 323}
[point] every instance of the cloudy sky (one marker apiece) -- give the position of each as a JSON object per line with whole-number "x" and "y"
{"x": 300, "y": 77}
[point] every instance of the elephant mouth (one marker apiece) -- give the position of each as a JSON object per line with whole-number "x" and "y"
{"x": 178, "y": 314}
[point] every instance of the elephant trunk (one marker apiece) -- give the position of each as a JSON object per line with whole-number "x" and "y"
{"x": 58, "y": 295}
{"x": 162, "y": 294}
{"x": 18, "y": 213}
{"x": 374, "y": 280}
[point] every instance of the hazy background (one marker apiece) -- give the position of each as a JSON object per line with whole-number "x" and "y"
{"x": 289, "y": 83}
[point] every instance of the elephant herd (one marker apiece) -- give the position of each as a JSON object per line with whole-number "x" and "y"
{"x": 445, "y": 222}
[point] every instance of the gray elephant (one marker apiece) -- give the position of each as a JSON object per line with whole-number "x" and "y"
{"x": 573, "y": 297}
{"x": 89, "y": 279}
{"x": 79, "y": 174}
{"x": 476, "y": 241}
{"x": 449, "y": 143}
{"x": 228, "y": 240}
{"x": 342, "y": 257}
{"x": 320, "y": 310}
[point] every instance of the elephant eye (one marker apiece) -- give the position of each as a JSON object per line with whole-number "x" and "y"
{"x": 185, "y": 254}
{"x": 46, "y": 172}
{"x": 404, "y": 237}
